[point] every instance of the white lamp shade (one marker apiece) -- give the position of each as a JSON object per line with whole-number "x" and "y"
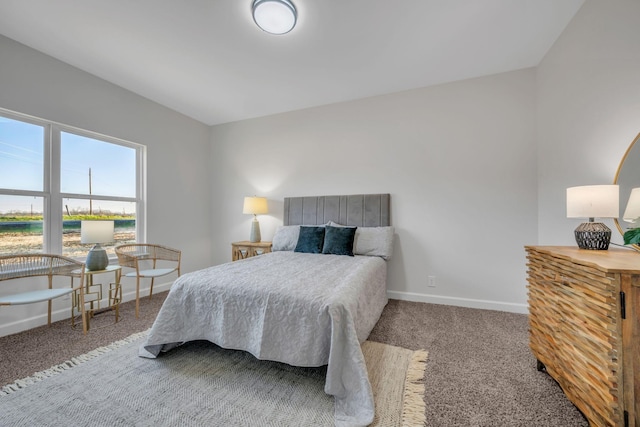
{"x": 255, "y": 206}
{"x": 632, "y": 212}
{"x": 96, "y": 231}
{"x": 274, "y": 16}
{"x": 593, "y": 201}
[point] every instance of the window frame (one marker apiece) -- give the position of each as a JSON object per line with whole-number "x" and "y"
{"x": 53, "y": 198}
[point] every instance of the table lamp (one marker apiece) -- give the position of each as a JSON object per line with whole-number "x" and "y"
{"x": 255, "y": 206}
{"x": 593, "y": 201}
{"x": 96, "y": 232}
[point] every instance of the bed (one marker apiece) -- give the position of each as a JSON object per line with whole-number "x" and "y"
{"x": 292, "y": 305}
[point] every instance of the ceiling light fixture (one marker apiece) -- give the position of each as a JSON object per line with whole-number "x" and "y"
{"x": 275, "y": 16}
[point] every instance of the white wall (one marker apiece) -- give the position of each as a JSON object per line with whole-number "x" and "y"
{"x": 458, "y": 159}
{"x": 178, "y": 148}
{"x": 588, "y": 109}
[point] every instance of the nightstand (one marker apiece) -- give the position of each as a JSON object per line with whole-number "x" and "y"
{"x": 246, "y": 249}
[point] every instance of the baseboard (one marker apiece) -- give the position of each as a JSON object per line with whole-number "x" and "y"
{"x": 65, "y": 313}
{"x": 460, "y": 302}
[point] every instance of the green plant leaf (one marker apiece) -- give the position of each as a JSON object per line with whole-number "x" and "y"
{"x": 632, "y": 237}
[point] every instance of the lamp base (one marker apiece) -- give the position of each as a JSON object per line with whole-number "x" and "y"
{"x": 593, "y": 235}
{"x": 97, "y": 259}
{"x": 255, "y": 231}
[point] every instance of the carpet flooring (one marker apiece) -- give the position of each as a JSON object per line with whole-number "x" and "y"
{"x": 480, "y": 371}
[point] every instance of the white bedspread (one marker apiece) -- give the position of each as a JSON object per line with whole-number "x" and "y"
{"x": 297, "y": 308}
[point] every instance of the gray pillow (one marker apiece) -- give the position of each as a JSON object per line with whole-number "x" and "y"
{"x": 372, "y": 241}
{"x": 285, "y": 238}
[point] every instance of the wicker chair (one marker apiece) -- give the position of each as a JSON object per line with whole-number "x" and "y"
{"x": 144, "y": 257}
{"x": 32, "y": 265}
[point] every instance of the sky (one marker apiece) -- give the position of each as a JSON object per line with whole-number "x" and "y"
{"x": 22, "y": 148}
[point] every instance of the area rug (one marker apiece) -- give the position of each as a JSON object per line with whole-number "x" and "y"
{"x": 202, "y": 384}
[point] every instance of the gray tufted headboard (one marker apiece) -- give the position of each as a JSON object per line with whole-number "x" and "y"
{"x": 362, "y": 210}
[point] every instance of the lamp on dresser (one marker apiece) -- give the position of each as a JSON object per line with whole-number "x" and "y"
{"x": 593, "y": 201}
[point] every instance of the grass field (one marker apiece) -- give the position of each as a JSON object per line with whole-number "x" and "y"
{"x": 15, "y": 243}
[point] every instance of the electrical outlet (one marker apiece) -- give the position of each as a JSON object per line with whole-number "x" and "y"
{"x": 431, "y": 281}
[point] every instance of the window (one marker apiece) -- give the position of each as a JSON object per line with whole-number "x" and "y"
{"x": 53, "y": 176}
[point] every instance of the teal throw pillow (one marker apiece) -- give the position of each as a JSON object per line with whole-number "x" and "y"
{"x": 339, "y": 240}
{"x": 310, "y": 240}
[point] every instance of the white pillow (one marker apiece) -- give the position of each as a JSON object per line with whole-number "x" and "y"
{"x": 372, "y": 241}
{"x": 285, "y": 238}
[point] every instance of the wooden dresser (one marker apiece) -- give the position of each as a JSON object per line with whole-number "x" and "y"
{"x": 584, "y": 318}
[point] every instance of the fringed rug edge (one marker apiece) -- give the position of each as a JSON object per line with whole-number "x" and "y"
{"x": 68, "y": 364}
{"x": 414, "y": 408}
